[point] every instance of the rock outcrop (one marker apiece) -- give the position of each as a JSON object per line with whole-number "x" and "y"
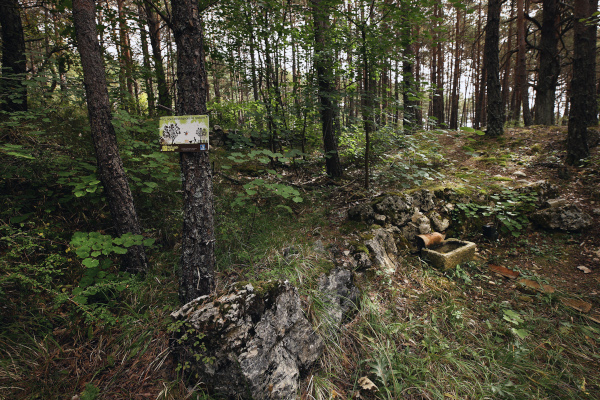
{"x": 250, "y": 342}
{"x": 568, "y": 217}
{"x": 338, "y": 295}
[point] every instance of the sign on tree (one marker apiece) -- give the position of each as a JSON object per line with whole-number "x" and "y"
{"x": 185, "y": 133}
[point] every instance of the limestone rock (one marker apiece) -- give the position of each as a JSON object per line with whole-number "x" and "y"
{"x": 361, "y": 213}
{"x": 423, "y": 200}
{"x": 543, "y": 189}
{"x": 439, "y": 224}
{"x": 398, "y": 209}
{"x": 383, "y": 250}
{"x": 362, "y": 261}
{"x": 424, "y": 226}
{"x": 250, "y": 342}
{"x": 339, "y": 295}
{"x": 568, "y": 217}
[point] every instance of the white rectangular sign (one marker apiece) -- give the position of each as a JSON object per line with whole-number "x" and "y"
{"x": 184, "y": 133}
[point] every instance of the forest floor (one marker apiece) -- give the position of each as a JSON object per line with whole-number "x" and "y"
{"x": 421, "y": 333}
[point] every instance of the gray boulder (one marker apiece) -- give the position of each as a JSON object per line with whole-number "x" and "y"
{"x": 250, "y": 342}
{"x": 423, "y": 200}
{"x": 398, "y": 209}
{"x": 382, "y": 249}
{"x": 568, "y": 217}
{"x": 362, "y": 213}
{"x": 339, "y": 295}
{"x": 439, "y": 224}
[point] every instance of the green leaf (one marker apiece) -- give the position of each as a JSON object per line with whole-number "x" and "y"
{"x": 83, "y": 252}
{"x": 521, "y": 333}
{"x": 148, "y": 242}
{"x": 297, "y": 199}
{"x": 90, "y": 262}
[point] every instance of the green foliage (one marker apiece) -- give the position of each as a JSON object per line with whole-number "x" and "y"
{"x": 91, "y": 392}
{"x": 99, "y": 277}
{"x": 509, "y": 209}
{"x": 260, "y": 188}
{"x": 30, "y": 262}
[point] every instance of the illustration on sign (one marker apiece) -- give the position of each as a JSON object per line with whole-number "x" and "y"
{"x": 184, "y": 133}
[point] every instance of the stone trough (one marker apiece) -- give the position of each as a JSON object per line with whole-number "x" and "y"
{"x": 449, "y": 253}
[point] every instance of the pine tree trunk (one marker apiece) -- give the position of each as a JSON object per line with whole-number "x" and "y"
{"x": 198, "y": 239}
{"x": 508, "y": 66}
{"x": 456, "y": 75}
{"x": 478, "y": 119}
{"x": 13, "y": 94}
{"x": 495, "y": 117}
{"x": 164, "y": 98}
{"x": 367, "y": 102}
{"x": 146, "y": 58}
{"x": 549, "y": 67}
{"x": 110, "y": 167}
{"x": 126, "y": 58}
{"x": 325, "y": 76}
{"x": 583, "y": 85}
{"x": 521, "y": 67}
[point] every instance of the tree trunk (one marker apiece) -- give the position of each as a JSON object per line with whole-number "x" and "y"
{"x": 164, "y": 98}
{"x": 583, "y": 101}
{"x": 146, "y": 58}
{"x": 508, "y": 66}
{"x": 417, "y": 77}
{"x": 110, "y": 167}
{"x": 126, "y": 60}
{"x": 522, "y": 91}
{"x": 495, "y": 117}
{"x": 479, "y": 106}
{"x": 325, "y": 76}
{"x": 367, "y": 101}
{"x": 456, "y": 76}
{"x": 438, "y": 72}
{"x": 549, "y": 67}
{"x": 198, "y": 239}
{"x": 13, "y": 94}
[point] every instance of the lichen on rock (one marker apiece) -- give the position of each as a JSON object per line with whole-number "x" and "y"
{"x": 250, "y": 342}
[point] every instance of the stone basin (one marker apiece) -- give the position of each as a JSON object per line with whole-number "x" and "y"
{"x": 449, "y": 253}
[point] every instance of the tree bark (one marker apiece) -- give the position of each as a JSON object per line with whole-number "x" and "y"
{"x": 164, "y": 98}
{"x": 495, "y": 117}
{"x": 198, "y": 240}
{"x": 367, "y": 101}
{"x": 583, "y": 84}
{"x": 325, "y": 76}
{"x": 13, "y": 93}
{"x": 456, "y": 75}
{"x": 125, "y": 58}
{"x": 522, "y": 87}
{"x": 146, "y": 58}
{"x": 438, "y": 72}
{"x": 110, "y": 167}
{"x": 549, "y": 64}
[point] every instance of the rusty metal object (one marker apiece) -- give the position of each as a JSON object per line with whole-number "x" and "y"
{"x": 429, "y": 240}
